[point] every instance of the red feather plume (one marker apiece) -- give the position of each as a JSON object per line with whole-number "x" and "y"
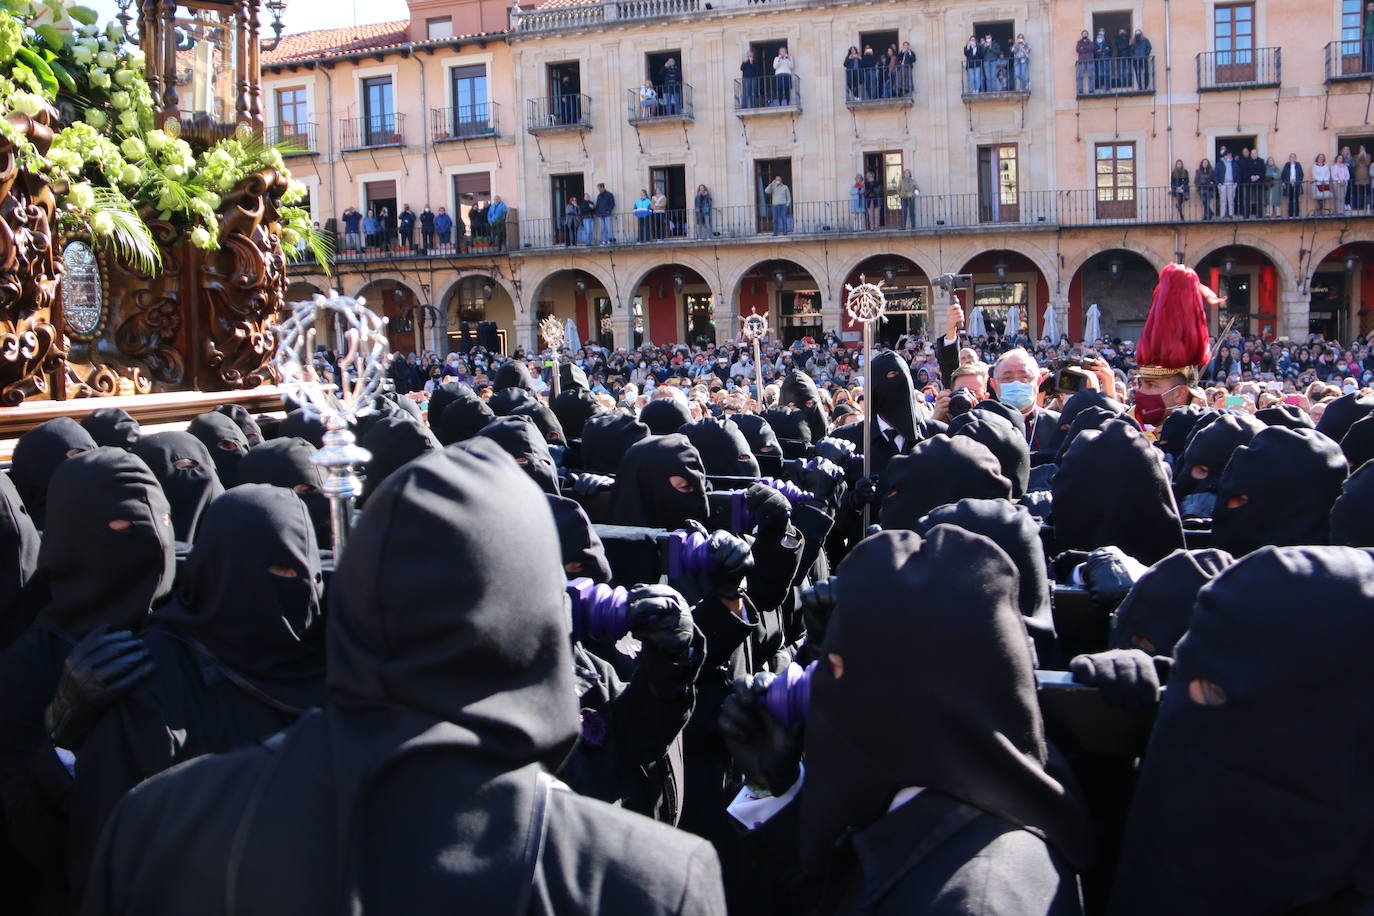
{"x": 1175, "y": 335}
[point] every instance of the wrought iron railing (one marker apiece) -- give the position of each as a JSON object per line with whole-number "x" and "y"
{"x": 760, "y": 93}
{"x": 559, "y": 112}
{"x": 1350, "y": 60}
{"x": 1243, "y": 69}
{"x": 864, "y": 86}
{"x": 464, "y": 122}
{"x": 372, "y": 131}
{"x": 668, "y": 101}
{"x": 1110, "y": 76}
{"x": 298, "y": 138}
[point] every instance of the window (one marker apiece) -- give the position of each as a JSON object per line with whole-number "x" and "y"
{"x": 470, "y": 302}
{"x": 1115, "y": 177}
{"x": 565, "y": 188}
{"x": 439, "y": 27}
{"x": 672, "y": 180}
{"x": 471, "y": 114}
{"x": 998, "y": 184}
{"x": 701, "y": 318}
{"x": 292, "y": 112}
{"x": 565, "y": 94}
{"x": 1352, "y": 16}
{"x": 469, "y": 191}
{"x": 1234, "y": 30}
{"x": 379, "y": 111}
{"x": 801, "y": 314}
{"x": 887, "y": 168}
{"x": 765, "y": 170}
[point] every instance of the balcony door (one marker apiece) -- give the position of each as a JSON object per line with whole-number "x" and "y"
{"x": 571, "y": 185}
{"x": 887, "y": 168}
{"x": 1114, "y": 164}
{"x": 672, "y": 179}
{"x": 1234, "y": 30}
{"x": 999, "y": 195}
{"x": 379, "y": 111}
{"x": 470, "y": 115}
{"x": 293, "y": 118}
{"x": 765, "y": 170}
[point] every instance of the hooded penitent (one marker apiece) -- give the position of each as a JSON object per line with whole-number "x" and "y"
{"x": 246, "y": 422}
{"x": 939, "y": 471}
{"x": 1289, "y": 415}
{"x": 799, "y": 390}
{"x": 789, "y": 424}
{"x": 763, "y": 443}
{"x": 1077, "y": 403}
{"x": 894, "y": 398}
{"x": 644, "y": 494}
{"x": 1091, "y": 417}
{"x": 297, "y": 425}
{"x": 508, "y": 401}
{"x": 1017, "y": 532}
{"x": 19, "y": 542}
{"x": 1198, "y": 472}
{"x": 606, "y": 438}
{"x": 99, "y": 574}
{"x": 943, "y": 699}
{"x": 1178, "y": 425}
{"x": 579, "y": 540}
{"x": 665, "y": 416}
{"x": 523, "y": 442}
{"x": 184, "y": 468}
{"x": 1278, "y": 490}
{"x": 286, "y": 463}
{"x": 1358, "y": 442}
{"x": 1013, "y": 416}
{"x": 441, "y": 397}
{"x": 514, "y": 374}
{"x": 37, "y": 456}
{"x": 111, "y": 426}
{"x": 462, "y": 416}
{"x": 1002, "y": 439}
{"x": 544, "y": 420}
{"x": 1343, "y": 413}
{"x": 1175, "y": 340}
{"x": 1352, "y": 517}
{"x": 1112, "y": 489}
{"x": 225, "y": 442}
{"x": 724, "y": 450}
{"x": 1155, "y": 614}
{"x": 393, "y": 442}
{"x": 572, "y": 377}
{"x": 574, "y": 407}
{"x": 1254, "y": 794}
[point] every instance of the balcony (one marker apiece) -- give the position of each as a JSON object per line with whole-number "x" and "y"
{"x": 464, "y": 122}
{"x": 670, "y": 103}
{"x": 988, "y": 80}
{"x": 758, "y": 95}
{"x": 296, "y": 139}
{"x": 1116, "y": 76}
{"x": 558, "y": 113}
{"x": 375, "y": 132}
{"x": 1349, "y": 60}
{"x": 1252, "y": 68}
{"x": 878, "y": 87}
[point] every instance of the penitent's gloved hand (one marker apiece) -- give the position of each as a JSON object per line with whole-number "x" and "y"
{"x": 765, "y": 750}
{"x": 1109, "y": 574}
{"x": 662, "y": 618}
{"x": 824, "y": 479}
{"x": 865, "y": 492}
{"x": 1126, "y": 678}
{"x": 98, "y": 671}
{"x": 769, "y": 506}
{"x": 731, "y": 560}
{"x": 836, "y": 451}
{"x": 590, "y": 484}
{"x": 817, "y": 604}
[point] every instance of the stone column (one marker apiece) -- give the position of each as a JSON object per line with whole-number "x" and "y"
{"x": 526, "y": 331}
{"x": 1061, "y": 314}
{"x": 1294, "y": 308}
{"x": 622, "y": 323}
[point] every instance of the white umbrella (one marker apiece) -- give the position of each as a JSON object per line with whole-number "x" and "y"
{"x": 1013, "y": 321}
{"x": 976, "y": 327}
{"x": 1050, "y": 328}
{"x": 571, "y": 338}
{"x": 1093, "y": 329}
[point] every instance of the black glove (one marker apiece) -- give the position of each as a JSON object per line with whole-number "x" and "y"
{"x": 98, "y": 671}
{"x": 1109, "y": 574}
{"x": 836, "y": 451}
{"x": 1126, "y": 678}
{"x": 823, "y": 478}
{"x": 817, "y": 604}
{"x": 769, "y": 506}
{"x": 865, "y": 491}
{"x": 768, "y": 753}
{"x": 590, "y": 484}
{"x": 731, "y": 560}
{"x": 1062, "y": 566}
{"x": 661, "y": 618}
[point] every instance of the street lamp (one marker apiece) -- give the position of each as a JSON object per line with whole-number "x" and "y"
{"x": 1228, "y": 265}
{"x": 1114, "y": 269}
{"x": 580, "y": 286}
{"x": 1001, "y": 270}
{"x": 679, "y": 281}
{"x": 488, "y": 289}
{"x": 889, "y": 274}
{"x": 1352, "y": 264}
{"x": 779, "y": 279}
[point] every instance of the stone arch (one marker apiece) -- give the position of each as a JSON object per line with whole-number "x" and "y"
{"x": 302, "y": 290}
{"x": 366, "y": 281}
{"x": 802, "y": 257}
{"x": 532, "y": 282}
{"x": 1046, "y": 263}
{"x": 853, "y": 264}
{"x": 1287, "y": 275}
{"x": 640, "y": 269}
{"x": 458, "y": 276}
{"x": 1158, "y": 262}
{"x": 1324, "y": 251}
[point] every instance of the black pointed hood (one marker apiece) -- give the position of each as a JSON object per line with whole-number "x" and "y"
{"x": 1013, "y": 416}
{"x": 789, "y": 424}
{"x": 944, "y": 699}
{"x": 1289, "y": 415}
{"x": 1112, "y": 489}
{"x": 1209, "y": 448}
{"x": 544, "y": 420}
{"x": 513, "y": 374}
{"x": 1177, "y": 426}
{"x": 606, "y": 438}
{"x": 1343, "y": 413}
{"x": 245, "y": 422}
{"x": 37, "y": 455}
{"x": 724, "y": 450}
{"x": 462, "y": 417}
{"x": 265, "y": 625}
{"x": 297, "y": 425}
{"x": 1352, "y": 517}
{"x": 183, "y": 466}
{"x": 1090, "y": 417}
{"x": 286, "y": 463}
{"x": 763, "y": 442}
{"x": 1358, "y": 443}
{"x": 643, "y": 495}
{"x": 506, "y": 402}
{"x": 225, "y": 442}
{"x": 112, "y": 426}
{"x": 573, "y": 408}
{"x": 442, "y": 396}
{"x": 19, "y": 542}
{"x": 894, "y": 396}
{"x": 1259, "y": 801}
{"x": 394, "y": 442}
{"x": 1288, "y": 479}
{"x": 1154, "y": 616}
{"x": 799, "y": 390}
{"x": 1002, "y": 439}
{"x": 522, "y": 440}
{"x": 97, "y": 574}
{"x": 939, "y": 471}
{"x": 571, "y": 377}
{"x": 1076, "y": 403}
{"x": 665, "y": 416}
{"x": 579, "y": 540}
{"x": 1017, "y": 532}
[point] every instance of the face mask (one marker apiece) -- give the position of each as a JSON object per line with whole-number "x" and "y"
{"x": 1348, "y": 389}
{"x": 1020, "y": 395}
{"x": 1151, "y": 406}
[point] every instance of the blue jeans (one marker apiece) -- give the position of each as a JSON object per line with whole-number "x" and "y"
{"x": 990, "y": 76}
{"x": 1023, "y": 74}
{"x": 584, "y": 232}
{"x": 781, "y": 224}
{"x": 908, "y": 213}
{"x": 975, "y": 77}
{"x": 604, "y": 226}
{"x": 703, "y": 224}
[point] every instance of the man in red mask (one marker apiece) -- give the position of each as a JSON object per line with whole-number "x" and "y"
{"x": 1174, "y": 344}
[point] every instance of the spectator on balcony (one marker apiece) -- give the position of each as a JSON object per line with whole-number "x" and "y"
{"x": 780, "y": 199}
{"x": 1084, "y": 50}
{"x": 1340, "y": 183}
{"x": 352, "y": 221}
{"x": 426, "y": 229}
{"x": 387, "y": 223}
{"x": 701, "y": 203}
{"x": 672, "y": 87}
{"x": 443, "y": 227}
{"x": 569, "y": 103}
{"x": 991, "y": 53}
{"x": 605, "y": 209}
{"x": 572, "y": 218}
{"x": 1227, "y": 177}
{"x": 1291, "y": 179}
{"x": 648, "y": 100}
{"x": 873, "y": 200}
{"x": 856, "y": 203}
{"x": 1273, "y": 190}
{"x": 1178, "y": 186}
{"x": 370, "y": 229}
{"x": 1140, "y": 60}
{"x": 749, "y": 81}
{"x": 1359, "y": 181}
{"x": 587, "y": 210}
{"x": 1321, "y": 184}
{"x": 1121, "y": 66}
{"x": 973, "y": 64}
{"x": 869, "y": 65}
{"x": 1102, "y": 60}
{"x": 643, "y": 211}
{"x": 906, "y": 64}
{"x": 908, "y": 190}
{"x": 1254, "y": 175}
{"x": 1020, "y": 56}
{"x": 853, "y": 73}
{"x": 891, "y": 80}
{"x": 407, "y": 223}
{"x": 496, "y": 222}
{"x": 659, "y": 204}
{"x": 478, "y": 226}
{"x": 782, "y": 72}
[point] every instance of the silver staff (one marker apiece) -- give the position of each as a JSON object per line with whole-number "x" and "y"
{"x": 755, "y": 328}
{"x": 362, "y": 369}
{"x": 867, "y": 305}
{"x": 552, "y": 331}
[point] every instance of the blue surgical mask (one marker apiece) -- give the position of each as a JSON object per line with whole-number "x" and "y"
{"x": 1020, "y": 395}
{"x": 1349, "y": 388}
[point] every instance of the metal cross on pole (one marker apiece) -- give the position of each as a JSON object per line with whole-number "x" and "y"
{"x": 754, "y": 329}
{"x": 551, "y": 329}
{"x": 867, "y": 305}
{"x": 361, "y": 333}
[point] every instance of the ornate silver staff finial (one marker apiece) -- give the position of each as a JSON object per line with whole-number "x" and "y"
{"x": 866, "y": 302}
{"x": 361, "y": 332}
{"x": 755, "y": 326}
{"x": 551, "y": 329}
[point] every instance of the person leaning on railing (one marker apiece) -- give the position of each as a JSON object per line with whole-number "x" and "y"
{"x": 1321, "y": 184}
{"x": 1205, "y": 180}
{"x": 1084, "y": 66}
{"x": 852, "y": 64}
{"x": 1178, "y": 186}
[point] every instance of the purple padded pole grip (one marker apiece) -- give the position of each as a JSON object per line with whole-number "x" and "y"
{"x": 689, "y": 554}
{"x": 787, "y": 488}
{"x": 789, "y": 696}
{"x": 598, "y": 610}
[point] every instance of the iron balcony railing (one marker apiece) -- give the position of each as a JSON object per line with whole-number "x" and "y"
{"x": 998, "y": 78}
{"x": 760, "y": 93}
{"x": 572, "y": 111}
{"x": 1111, "y": 76}
{"x": 298, "y": 138}
{"x": 372, "y": 131}
{"x": 464, "y": 122}
{"x": 1243, "y": 69}
{"x": 1350, "y": 60}
{"x": 875, "y": 86}
{"x": 665, "y": 102}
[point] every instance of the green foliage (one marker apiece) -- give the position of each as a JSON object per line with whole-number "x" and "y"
{"x": 128, "y": 234}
